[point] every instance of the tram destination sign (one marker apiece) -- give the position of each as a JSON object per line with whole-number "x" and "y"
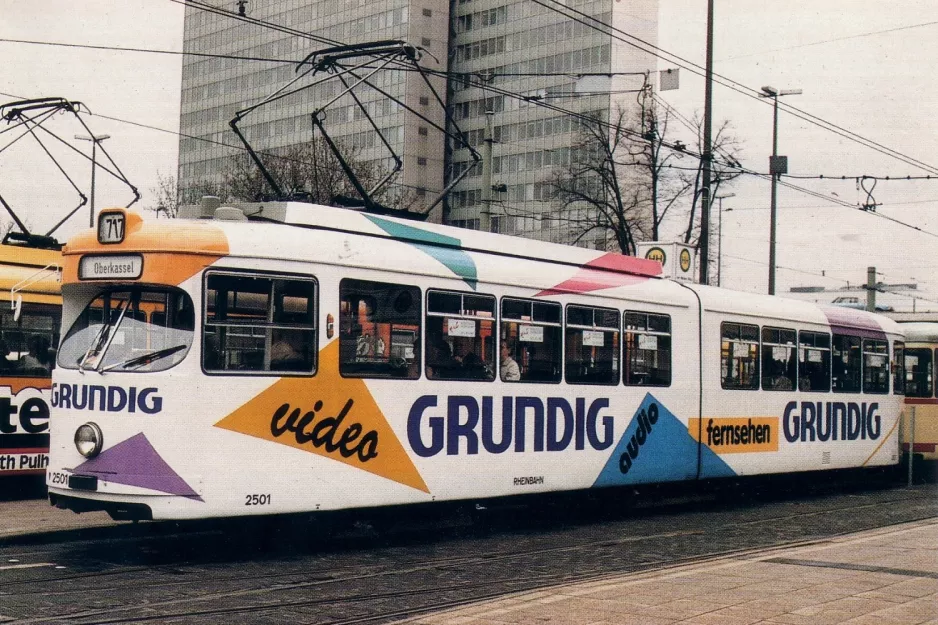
{"x": 123, "y": 267}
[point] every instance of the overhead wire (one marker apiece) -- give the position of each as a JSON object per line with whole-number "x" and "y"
{"x": 489, "y": 87}
{"x": 233, "y": 146}
{"x": 231, "y": 14}
{"x": 833, "y": 40}
{"x": 694, "y": 68}
{"x": 816, "y": 194}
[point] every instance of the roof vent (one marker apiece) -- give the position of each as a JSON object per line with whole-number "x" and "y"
{"x": 209, "y": 203}
{"x": 229, "y": 213}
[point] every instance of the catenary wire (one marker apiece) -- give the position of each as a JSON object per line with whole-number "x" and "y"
{"x": 730, "y": 84}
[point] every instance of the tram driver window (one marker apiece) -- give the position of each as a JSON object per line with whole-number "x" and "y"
{"x": 647, "y": 360}
{"x": 460, "y": 336}
{"x": 814, "y": 362}
{"x": 379, "y": 330}
{"x": 918, "y": 372}
{"x": 847, "y": 364}
{"x": 739, "y": 359}
{"x": 592, "y": 345}
{"x": 259, "y": 323}
{"x": 531, "y": 334}
{"x": 875, "y": 366}
{"x": 28, "y": 344}
{"x": 898, "y": 368}
{"x": 779, "y": 364}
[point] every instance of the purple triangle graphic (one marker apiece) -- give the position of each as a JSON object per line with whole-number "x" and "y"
{"x": 134, "y": 462}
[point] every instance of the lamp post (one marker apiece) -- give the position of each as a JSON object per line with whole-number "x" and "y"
{"x": 778, "y": 165}
{"x": 720, "y": 198}
{"x": 95, "y": 140}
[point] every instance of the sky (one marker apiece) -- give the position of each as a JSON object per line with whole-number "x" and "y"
{"x": 862, "y": 65}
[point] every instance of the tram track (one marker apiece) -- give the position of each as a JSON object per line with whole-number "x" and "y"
{"x": 477, "y": 590}
{"x": 402, "y": 574}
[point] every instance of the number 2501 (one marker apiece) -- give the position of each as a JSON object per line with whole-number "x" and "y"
{"x": 256, "y": 500}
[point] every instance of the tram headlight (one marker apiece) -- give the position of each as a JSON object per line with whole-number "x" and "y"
{"x": 89, "y": 440}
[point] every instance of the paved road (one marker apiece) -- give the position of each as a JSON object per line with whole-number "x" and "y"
{"x": 383, "y": 567}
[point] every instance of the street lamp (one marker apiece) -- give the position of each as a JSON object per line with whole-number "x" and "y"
{"x": 778, "y": 165}
{"x": 720, "y": 198}
{"x": 95, "y": 140}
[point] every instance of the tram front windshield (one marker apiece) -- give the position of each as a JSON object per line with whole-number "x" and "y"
{"x": 130, "y": 330}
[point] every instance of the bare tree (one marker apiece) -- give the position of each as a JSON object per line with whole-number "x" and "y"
{"x": 589, "y": 190}
{"x": 309, "y": 169}
{"x": 654, "y": 155}
{"x": 620, "y": 176}
{"x": 167, "y": 196}
{"x": 627, "y": 176}
{"x": 724, "y": 168}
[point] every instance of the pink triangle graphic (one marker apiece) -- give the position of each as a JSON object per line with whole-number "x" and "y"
{"x": 606, "y": 272}
{"x": 134, "y": 462}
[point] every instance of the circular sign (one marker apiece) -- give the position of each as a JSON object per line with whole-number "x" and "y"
{"x": 656, "y": 253}
{"x": 685, "y": 260}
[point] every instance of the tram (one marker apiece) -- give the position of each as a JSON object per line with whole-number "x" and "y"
{"x": 300, "y": 358}
{"x": 920, "y": 437}
{"x": 30, "y": 316}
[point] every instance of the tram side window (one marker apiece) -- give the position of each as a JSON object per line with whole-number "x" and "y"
{"x": 259, "y": 323}
{"x": 27, "y": 345}
{"x": 460, "y": 336}
{"x": 847, "y": 364}
{"x": 814, "y": 362}
{"x": 739, "y": 361}
{"x": 531, "y": 333}
{"x": 592, "y": 345}
{"x": 779, "y": 359}
{"x": 918, "y": 372}
{"x": 379, "y": 330}
{"x": 647, "y": 340}
{"x": 875, "y": 366}
{"x": 898, "y": 368}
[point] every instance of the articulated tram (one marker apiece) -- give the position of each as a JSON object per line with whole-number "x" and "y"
{"x": 920, "y": 435}
{"x": 30, "y": 316}
{"x": 298, "y": 358}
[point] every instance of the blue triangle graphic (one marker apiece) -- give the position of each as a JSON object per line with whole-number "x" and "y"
{"x": 656, "y": 447}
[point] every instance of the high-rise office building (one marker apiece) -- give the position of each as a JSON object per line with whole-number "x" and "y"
{"x": 520, "y": 56}
{"x": 539, "y": 50}
{"x": 248, "y": 60}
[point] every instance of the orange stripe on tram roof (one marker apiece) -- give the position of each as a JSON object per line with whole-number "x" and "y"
{"x": 175, "y": 250}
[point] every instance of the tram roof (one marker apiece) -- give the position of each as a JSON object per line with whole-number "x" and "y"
{"x": 760, "y": 307}
{"x": 430, "y": 234}
{"x": 22, "y": 267}
{"x": 24, "y": 256}
{"x": 920, "y": 332}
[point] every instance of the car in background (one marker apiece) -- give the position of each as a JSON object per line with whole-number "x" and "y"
{"x": 850, "y": 301}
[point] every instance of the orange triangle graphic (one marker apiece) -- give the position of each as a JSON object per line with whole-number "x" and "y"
{"x": 330, "y": 416}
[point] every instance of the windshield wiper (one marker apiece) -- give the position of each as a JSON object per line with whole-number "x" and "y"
{"x": 99, "y": 339}
{"x": 145, "y": 359}
{"x": 103, "y": 340}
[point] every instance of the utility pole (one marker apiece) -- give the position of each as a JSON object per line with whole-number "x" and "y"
{"x": 720, "y": 199}
{"x": 95, "y": 140}
{"x": 778, "y": 165}
{"x": 485, "y": 216}
{"x": 707, "y": 154}
{"x": 871, "y": 289}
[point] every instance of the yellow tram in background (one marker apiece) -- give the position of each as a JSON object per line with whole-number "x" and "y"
{"x": 30, "y": 315}
{"x": 920, "y": 433}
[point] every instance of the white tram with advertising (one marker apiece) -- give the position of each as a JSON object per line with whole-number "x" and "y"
{"x": 286, "y": 357}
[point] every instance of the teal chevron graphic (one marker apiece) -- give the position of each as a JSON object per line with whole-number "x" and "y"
{"x": 656, "y": 447}
{"x": 456, "y": 260}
